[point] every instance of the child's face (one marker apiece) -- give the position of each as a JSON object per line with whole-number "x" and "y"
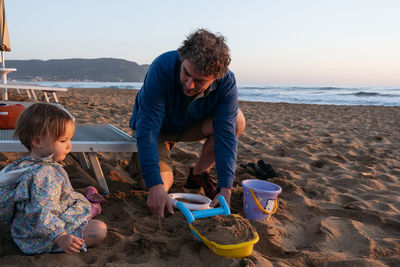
{"x": 45, "y": 146}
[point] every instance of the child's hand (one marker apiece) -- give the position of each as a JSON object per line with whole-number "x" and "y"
{"x": 70, "y": 244}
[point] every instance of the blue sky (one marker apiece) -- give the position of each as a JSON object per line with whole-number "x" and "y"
{"x": 285, "y": 42}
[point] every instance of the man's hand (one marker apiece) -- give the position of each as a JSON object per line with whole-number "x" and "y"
{"x": 226, "y": 192}
{"x": 157, "y": 200}
{"x": 70, "y": 244}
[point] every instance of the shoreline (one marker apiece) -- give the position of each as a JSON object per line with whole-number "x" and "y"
{"x": 351, "y": 96}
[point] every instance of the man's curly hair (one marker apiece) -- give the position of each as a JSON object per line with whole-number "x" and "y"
{"x": 207, "y": 52}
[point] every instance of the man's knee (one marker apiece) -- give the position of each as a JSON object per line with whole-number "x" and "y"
{"x": 207, "y": 127}
{"x": 240, "y": 123}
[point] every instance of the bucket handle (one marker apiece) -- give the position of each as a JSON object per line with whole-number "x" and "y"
{"x": 259, "y": 205}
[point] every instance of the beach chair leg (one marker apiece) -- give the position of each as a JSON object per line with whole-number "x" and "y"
{"x": 4, "y": 95}
{"x": 98, "y": 172}
{"x": 33, "y": 94}
{"x": 29, "y": 94}
{"x": 55, "y": 97}
{"x": 46, "y": 97}
{"x": 83, "y": 160}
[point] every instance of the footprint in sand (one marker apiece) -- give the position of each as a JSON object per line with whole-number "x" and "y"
{"x": 340, "y": 235}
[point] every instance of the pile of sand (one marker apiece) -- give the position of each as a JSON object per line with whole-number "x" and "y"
{"x": 225, "y": 229}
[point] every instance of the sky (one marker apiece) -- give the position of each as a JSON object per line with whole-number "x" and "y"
{"x": 272, "y": 42}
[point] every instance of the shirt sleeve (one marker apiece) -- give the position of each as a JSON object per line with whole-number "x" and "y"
{"x": 224, "y": 123}
{"x": 149, "y": 121}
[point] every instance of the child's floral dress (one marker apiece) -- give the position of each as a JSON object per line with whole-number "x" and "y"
{"x": 45, "y": 205}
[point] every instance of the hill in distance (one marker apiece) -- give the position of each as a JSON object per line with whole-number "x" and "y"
{"x": 77, "y": 69}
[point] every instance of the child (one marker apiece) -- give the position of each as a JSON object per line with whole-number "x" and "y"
{"x": 47, "y": 215}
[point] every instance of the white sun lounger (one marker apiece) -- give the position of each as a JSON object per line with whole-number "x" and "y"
{"x": 88, "y": 139}
{"x": 30, "y": 90}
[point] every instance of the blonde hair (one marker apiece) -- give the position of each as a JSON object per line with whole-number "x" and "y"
{"x": 40, "y": 120}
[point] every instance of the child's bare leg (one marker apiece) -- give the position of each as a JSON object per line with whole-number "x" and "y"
{"x": 95, "y": 232}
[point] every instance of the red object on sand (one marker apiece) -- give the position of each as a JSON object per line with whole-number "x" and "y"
{"x": 9, "y": 115}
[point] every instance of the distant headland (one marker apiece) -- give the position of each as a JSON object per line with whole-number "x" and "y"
{"x": 77, "y": 69}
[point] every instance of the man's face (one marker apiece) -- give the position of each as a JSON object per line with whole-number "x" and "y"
{"x": 192, "y": 81}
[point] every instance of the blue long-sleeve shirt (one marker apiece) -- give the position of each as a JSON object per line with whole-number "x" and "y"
{"x": 162, "y": 107}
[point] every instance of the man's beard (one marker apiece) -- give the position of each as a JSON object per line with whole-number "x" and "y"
{"x": 190, "y": 92}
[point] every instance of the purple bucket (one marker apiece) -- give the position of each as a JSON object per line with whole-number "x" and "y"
{"x": 259, "y": 198}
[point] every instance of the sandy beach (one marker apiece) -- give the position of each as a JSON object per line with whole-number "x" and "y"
{"x": 339, "y": 170}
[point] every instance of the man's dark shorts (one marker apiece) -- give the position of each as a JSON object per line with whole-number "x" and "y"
{"x": 165, "y": 144}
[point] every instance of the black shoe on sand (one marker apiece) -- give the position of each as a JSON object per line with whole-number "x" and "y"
{"x": 261, "y": 170}
{"x": 267, "y": 170}
{"x": 204, "y": 180}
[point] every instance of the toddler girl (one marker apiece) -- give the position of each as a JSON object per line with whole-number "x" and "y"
{"x": 45, "y": 213}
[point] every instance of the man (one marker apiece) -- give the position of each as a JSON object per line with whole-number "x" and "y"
{"x": 188, "y": 95}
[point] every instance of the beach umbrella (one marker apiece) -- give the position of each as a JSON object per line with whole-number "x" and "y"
{"x": 4, "y": 37}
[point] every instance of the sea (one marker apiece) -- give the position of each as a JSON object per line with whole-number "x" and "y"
{"x": 331, "y": 95}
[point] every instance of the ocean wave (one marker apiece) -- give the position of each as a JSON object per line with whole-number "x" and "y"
{"x": 362, "y": 93}
{"x": 325, "y": 88}
{"x": 127, "y": 87}
{"x": 294, "y": 88}
{"x": 250, "y": 88}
